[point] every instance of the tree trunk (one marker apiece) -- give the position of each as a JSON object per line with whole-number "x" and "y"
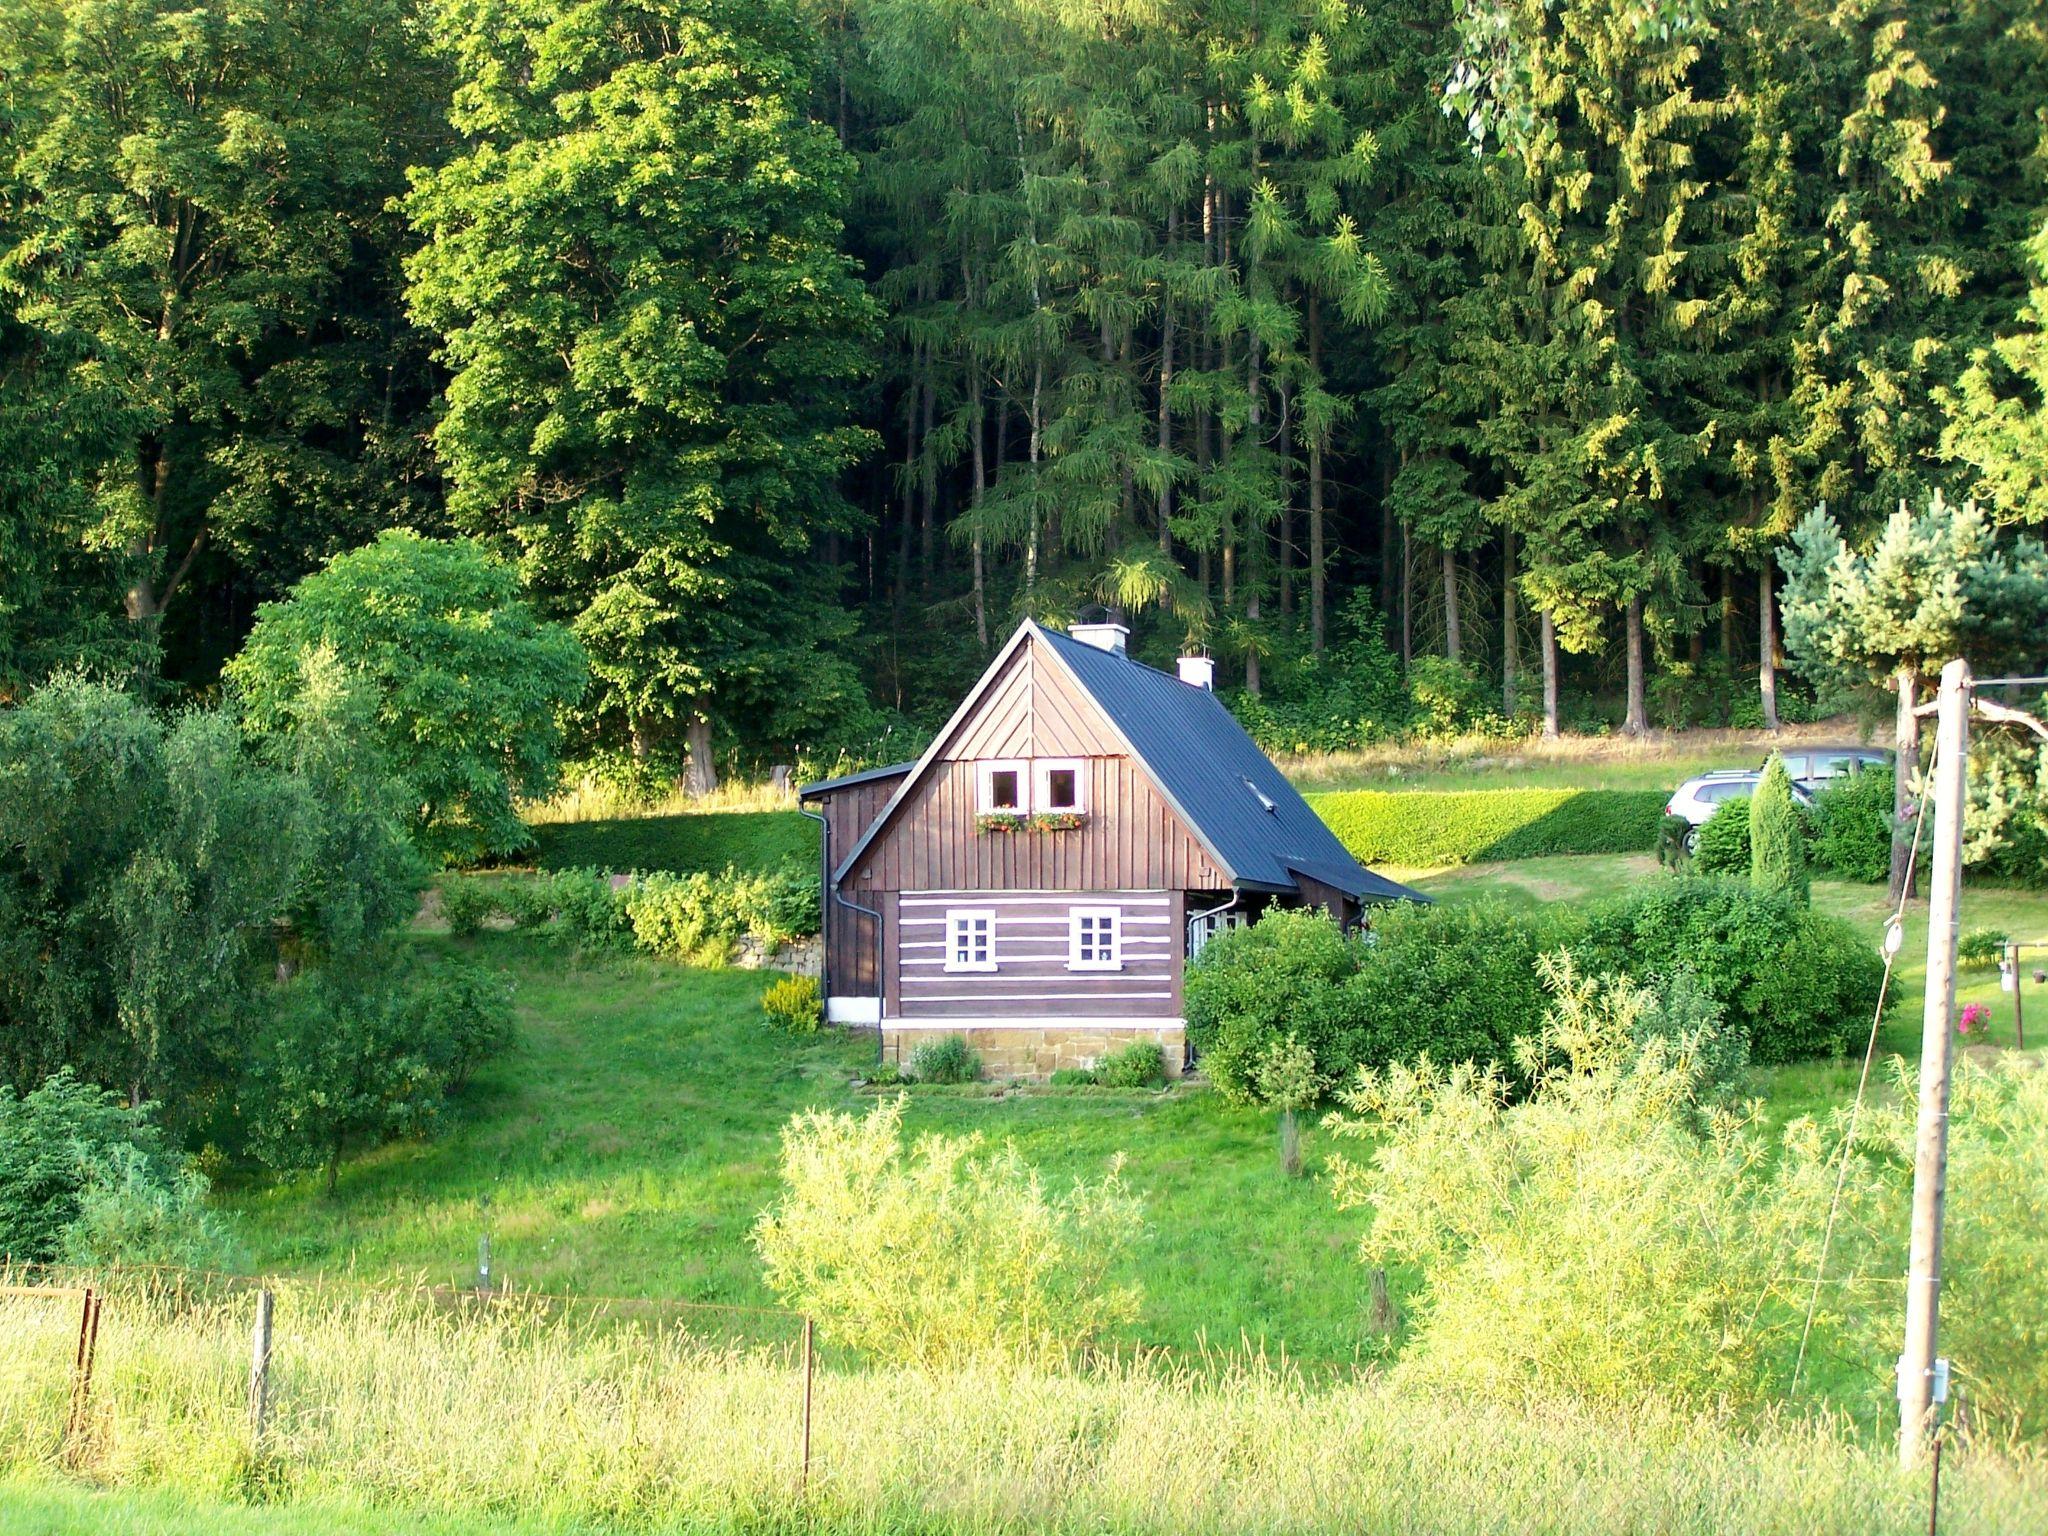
{"x": 928, "y": 490}
{"x": 1407, "y": 603}
{"x": 1637, "y": 720}
{"x": 980, "y": 492}
{"x": 1318, "y": 552}
{"x": 1906, "y": 743}
{"x": 701, "y": 775}
{"x": 1548, "y": 645}
{"x": 1453, "y": 638}
{"x": 1165, "y": 511}
{"x": 1510, "y": 642}
{"x": 1767, "y": 647}
{"x": 1251, "y": 655}
{"x": 1728, "y": 617}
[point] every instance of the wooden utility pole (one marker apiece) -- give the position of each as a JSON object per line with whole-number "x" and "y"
{"x": 1917, "y": 1367}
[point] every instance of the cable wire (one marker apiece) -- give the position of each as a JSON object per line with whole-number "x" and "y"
{"x": 1894, "y": 938}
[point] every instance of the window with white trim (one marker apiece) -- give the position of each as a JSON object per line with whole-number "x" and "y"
{"x": 1005, "y": 785}
{"x": 1058, "y": 784}
{"x": 970, "y": 939}
{"x": 1095, "y": 939}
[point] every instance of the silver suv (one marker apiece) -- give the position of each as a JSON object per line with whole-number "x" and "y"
{"x": 1700, "y": 796}
{"x": 1816, "y": 765}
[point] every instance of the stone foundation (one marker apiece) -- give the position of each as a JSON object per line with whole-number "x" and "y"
{"x": 1037, "y": 1051}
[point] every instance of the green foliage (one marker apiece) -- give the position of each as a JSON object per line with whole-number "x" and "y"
{"x": 696, "y": 918}
{"x": 1777, "y": 835}
{"x": 1450, "y": 700}
{"x": 1350, "y": 696}
{"x": 1141, "y": 1064}
{"x": 1425, "y": 829}
{"x": 346, "y": 1063}
{"x": 1674, "y": 835}
{"x": 658, "y": 425}
{"x": 794, "y": 1004}
{"x": 1680, "y": 1012}
{"x": 946, "y": 1060}
{"x": 1852, "y": 825}
{"x": 941, "y": 1254}
{"x": 1456, "y": 982}
{"x": 1795, "y": 982}
{"x": 1072, "y": 1077}
{"x": 1722, "y": 844}
{"x": 468, "y": 687}
{"x": 701, "y": 840}
{"x": 1982, "y": 946}
{"x": 1252, "y": 986}
{"x": 86, "y": 1180}
{"x": 1499, "y": 1198}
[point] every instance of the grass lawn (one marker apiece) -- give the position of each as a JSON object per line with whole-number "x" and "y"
{"x": 626, "y": 1145}
{"x": 57, "y": 1510}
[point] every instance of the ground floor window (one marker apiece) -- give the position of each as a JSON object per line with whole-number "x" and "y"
{"x": 970, "y": 939}
{"x": 1095, "y": 939}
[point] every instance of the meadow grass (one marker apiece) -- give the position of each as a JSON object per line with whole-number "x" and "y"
{"x": 382, "y": 1401}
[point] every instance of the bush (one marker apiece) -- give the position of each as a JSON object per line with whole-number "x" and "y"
{"x": 1450, "y": 698}
{"x": 947, "y": 1059}
{"x": 1457, "y": 982}
{"x": 941, "y": 1253}
{"x": 86, "y": 1180}
{"x": 1797, "y": 983}
{"x": 1072, "y": 1077}
{"x": 1428, "y": 828}
{"x": 1141, "y": 1064}
{"x": 700, "y": 917}
{"x": 794, "y": 1005}
{"x": 1982, "y": 946}
{"x": 467, "y": 902}
{"x": 1500, "y": 1199}
{"x": 462, "y": 1014}
{"x": 1349, "y": 697}
{"x": 1777, "y": 835}
{"x": 1251, "y": 986}
{"x": 1852, "y": 826}
{"x": 1722, "y": 846}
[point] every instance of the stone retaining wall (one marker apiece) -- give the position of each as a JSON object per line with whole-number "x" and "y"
{"x": 1035, "y": 1051}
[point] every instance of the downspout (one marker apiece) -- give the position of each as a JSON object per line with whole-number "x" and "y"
{"x": 830, "y": 892}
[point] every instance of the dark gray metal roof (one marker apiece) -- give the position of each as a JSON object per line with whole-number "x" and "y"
{"x": 848, "y": 780}
{"x": 1214, "y": 774}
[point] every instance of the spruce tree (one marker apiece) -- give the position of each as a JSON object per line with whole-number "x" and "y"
{"x": 1777, "y": 841}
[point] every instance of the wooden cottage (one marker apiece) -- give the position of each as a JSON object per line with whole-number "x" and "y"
{"x": 1038, "y": 880}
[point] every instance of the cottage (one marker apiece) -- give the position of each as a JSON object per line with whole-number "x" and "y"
{"x": 1038, "y": 880}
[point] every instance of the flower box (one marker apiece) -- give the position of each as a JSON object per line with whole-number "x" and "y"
{"x": 1006, "y": 822}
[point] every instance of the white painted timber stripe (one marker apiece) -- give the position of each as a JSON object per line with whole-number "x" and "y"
{"x": 954, "y": 898}
{"x": 1052, "y": 946}
{"x": 853, "y": 1010}
{"x": 1100, "y": 996}
{"x": 1011, "y": 1021}
{"x": 1014, "y": 924}
{"x": 1011, "y": 956}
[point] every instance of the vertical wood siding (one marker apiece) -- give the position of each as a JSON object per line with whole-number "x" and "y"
{"x": 1132, "y": 840}
{"x": 852, "y": 950}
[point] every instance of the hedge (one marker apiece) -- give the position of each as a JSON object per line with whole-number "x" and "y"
{"x": 1420, "y": 829}
{"x": 697, "y": 842}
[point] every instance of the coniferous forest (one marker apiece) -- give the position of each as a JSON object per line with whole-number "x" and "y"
{"x": 790, "y": 349}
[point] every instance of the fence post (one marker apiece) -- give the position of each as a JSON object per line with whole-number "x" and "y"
{"x": 259, "y": 1369}
{"x": 81, "y": 1366}
{"x": 804, "y": 1481}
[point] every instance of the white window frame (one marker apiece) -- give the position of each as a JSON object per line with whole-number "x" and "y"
{"x": 1114, "y": 961}
{"x": 1042, "y": 769}
{"x": 958, "y": 918}
{"x": 984, "y": 780}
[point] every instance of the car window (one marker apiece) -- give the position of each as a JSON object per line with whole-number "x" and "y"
{"x": 1798, "y": 764}
{"x": 1722, "y": 789}
{"x": 1840, "y": 762}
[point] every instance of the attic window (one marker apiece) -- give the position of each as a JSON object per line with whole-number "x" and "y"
{"x": 1265, "y": 799}
{"x": 1057, "y": 785}
{"x": 1002, "y": 787}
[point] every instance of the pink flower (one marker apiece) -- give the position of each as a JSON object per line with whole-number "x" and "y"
{"x": 1974, "y": 1014}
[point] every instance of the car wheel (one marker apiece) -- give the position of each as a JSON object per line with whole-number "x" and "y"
{"x": 1692, "y": 837}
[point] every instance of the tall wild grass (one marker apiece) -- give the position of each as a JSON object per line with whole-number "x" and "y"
{"x": 387, "y": 1398}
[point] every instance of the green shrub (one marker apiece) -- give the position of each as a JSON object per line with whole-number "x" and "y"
{"x": 1457, "y": 982}
{"x": 1674, "y": 843}
{"x": 1777, "y": 835}
{"x": 1852, "y": 826}
{"x": 1350, "y": 696}
{"x": 467, "y": 901}
{"x": 1072, "y": 1077}
{"x": 1428, "y": 828}
{"x": 84, "y": 1179}
{"x": 1797, "y": 983}
{"x": 1450, "y": 698}
{"x": 1251, "y": 986}
{"x": 1982, "y": 946}
{"x": 794, "y": 1004}
{"x": 462, "y": 1013}
{"x": 1141, "y": 1064}
{"x": 587, "y": 910}
{"x": 947, "y": 1059}
{"x": 1722, "y": 845}
{"x": 700, "y": 917}
{"x": 1680, "y": 1011}
{"x": 941, "y": 1253}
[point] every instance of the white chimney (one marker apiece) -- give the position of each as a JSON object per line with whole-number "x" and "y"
{"x": 1198, "y": 672}
{"x": 1104, "y": 637}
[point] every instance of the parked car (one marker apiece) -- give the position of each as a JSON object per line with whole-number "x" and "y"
{"x": 1703, "y": 794}
{"x": 1813, "y": 765}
